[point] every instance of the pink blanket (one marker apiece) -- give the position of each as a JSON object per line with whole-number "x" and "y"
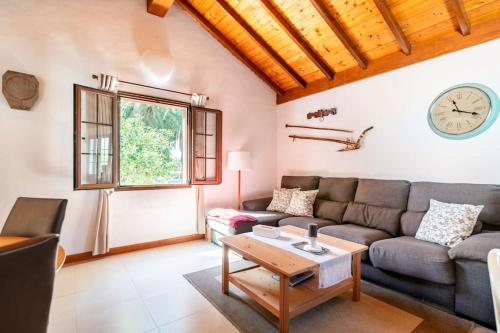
{"x": 232, "y": 217}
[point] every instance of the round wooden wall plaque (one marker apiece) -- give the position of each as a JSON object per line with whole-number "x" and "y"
{"x": 20, "y": 90}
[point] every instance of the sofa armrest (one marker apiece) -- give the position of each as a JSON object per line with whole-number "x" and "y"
{"x": 257, "y": 204}
{"x": 476, "y": 247}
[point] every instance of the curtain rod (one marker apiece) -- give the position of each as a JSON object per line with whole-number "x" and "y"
{"x": 151, "y": 87}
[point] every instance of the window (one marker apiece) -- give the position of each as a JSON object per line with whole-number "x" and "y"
{"x": 129, "y": 141}
{"x": 95, "y": 135}
{"x": 153, "y": 142}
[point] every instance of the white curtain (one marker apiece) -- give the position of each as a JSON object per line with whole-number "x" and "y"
{"x": 200, "y": 209}
{"x": 101, "y": 241}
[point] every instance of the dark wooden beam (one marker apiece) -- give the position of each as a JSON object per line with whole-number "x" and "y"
{"x": 393, "y": 24}
{"x": 450, "y": 42}
{"x": 159, "y": 7}
{"x": 339, "y": 31}
{"x": 212, "y": 30}
{"x": 262, "y": 43}
{"x": 458, "y": 9}
{"x": 301, "y": 42}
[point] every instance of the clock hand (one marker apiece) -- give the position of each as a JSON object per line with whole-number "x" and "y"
{"x": 472, "y": 113}
{"x": 455, "y": 103}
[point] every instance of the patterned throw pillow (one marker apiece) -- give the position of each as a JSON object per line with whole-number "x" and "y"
{"x": 281, "y": 199}
{"x": 302, "y": 203}
{"x": 448, "y": 224}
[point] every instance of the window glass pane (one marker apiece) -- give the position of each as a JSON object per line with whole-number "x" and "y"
{"x": 88, "y": 169}
{"x": 211, "y": 169}
{"x": 105, "y": 109}
{"x": 211, "y": 121}
{"x": 88, "y": 107}
{"x": 88, "y": 139}
{"x": 153, "y": 143}
{"x": 96, "y": 108}
{"x": 199, "y": 168}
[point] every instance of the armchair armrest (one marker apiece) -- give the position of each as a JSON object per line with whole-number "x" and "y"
{"x": 257, "y": 204}
{"x": 476, "y": 247}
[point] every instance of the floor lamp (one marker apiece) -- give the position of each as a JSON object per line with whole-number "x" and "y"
{"x": 239, "y": 161}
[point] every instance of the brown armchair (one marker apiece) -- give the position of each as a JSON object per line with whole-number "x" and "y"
{"x": 34, "y": 217}
{"x": 26, "y": 282}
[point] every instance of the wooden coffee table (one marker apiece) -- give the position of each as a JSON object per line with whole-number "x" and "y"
{"x": 276, "y": 296}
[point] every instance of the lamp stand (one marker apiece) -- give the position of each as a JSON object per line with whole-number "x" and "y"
{"x": 238, "y": 198}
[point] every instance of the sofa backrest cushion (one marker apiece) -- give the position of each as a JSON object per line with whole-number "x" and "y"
{"x": 378, "y": 204}
{"x": 305, "y": 183}
{"x": 333, "y": 196}
{"x": 474, "y": 194}
{"x": 383, "y": 193}
{"x": 382, "y": 218}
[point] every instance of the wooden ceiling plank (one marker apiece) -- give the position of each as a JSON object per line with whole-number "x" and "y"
{"x": 210, "y": 28}
{"x": 447, "y": 43}
{"x": 261, "y": 42}
{"x": 158, "y": 7}
{"x": 304, "y": 45}
{"x": 458, "y": 9}
{"x": 339, "y": 32}
{"x": 393, "y": 24}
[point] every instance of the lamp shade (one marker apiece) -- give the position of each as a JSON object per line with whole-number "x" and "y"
{"x": 239, "y": 161}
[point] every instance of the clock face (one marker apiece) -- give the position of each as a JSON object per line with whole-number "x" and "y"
{"x": 460, "y": 110}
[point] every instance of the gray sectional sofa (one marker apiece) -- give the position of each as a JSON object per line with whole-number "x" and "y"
{"x": 385, "y": 215}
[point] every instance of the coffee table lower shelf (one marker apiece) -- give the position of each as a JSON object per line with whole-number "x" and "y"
{"x": 259, "y": 284}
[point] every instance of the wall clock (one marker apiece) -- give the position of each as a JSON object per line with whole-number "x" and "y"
{"x": 463, "y": 111}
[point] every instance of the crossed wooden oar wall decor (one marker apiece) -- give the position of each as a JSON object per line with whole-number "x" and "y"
{"x": 349, "y": 143}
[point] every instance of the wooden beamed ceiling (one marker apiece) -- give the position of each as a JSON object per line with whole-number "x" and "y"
{"x": 301, "y": 47}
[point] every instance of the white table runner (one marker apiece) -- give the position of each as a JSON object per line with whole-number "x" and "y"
{"x": 334, "y": 266}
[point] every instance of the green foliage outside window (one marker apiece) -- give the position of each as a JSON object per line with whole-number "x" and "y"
{"x": 151, "y": 144}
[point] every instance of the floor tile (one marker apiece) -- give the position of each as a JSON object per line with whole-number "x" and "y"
{"x": 62, "y": 326}
{"x": 172, "y": 306}
{"x": 128, "y": 317}
{"x": 63, "y": 309}
{"x": 137, "y": 292}
{"x": 207, "y": 321}
{"x": 65, "y": 282}
{"x": 102, "y": 297}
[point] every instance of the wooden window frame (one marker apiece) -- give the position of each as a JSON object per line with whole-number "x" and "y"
{"x": 218, "y": 147}
{"x": 77, "y": 133}
{"x": 116, "y": 144}
{"x": 159, "y": 100}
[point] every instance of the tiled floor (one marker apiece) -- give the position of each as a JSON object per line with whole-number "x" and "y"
{"x": 137, "y": 292}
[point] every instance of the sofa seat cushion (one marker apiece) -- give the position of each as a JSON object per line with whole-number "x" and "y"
{"x": 303, "y": 221}
{"x": 263, "y": 217}
{"x": 356, "y": 234}
{"x": 476, "y": 247}
{"x": 412, "y": 257}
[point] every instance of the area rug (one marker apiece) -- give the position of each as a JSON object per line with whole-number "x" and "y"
{"x": 380, "y": 310}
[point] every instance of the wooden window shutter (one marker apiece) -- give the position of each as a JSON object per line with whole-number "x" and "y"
{"x": 206, "y": 163}
{"x": 95, "y": 139}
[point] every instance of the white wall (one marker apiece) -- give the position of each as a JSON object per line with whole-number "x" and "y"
{"x": 64, "y": 42}
{"x": 401, "y": 145}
